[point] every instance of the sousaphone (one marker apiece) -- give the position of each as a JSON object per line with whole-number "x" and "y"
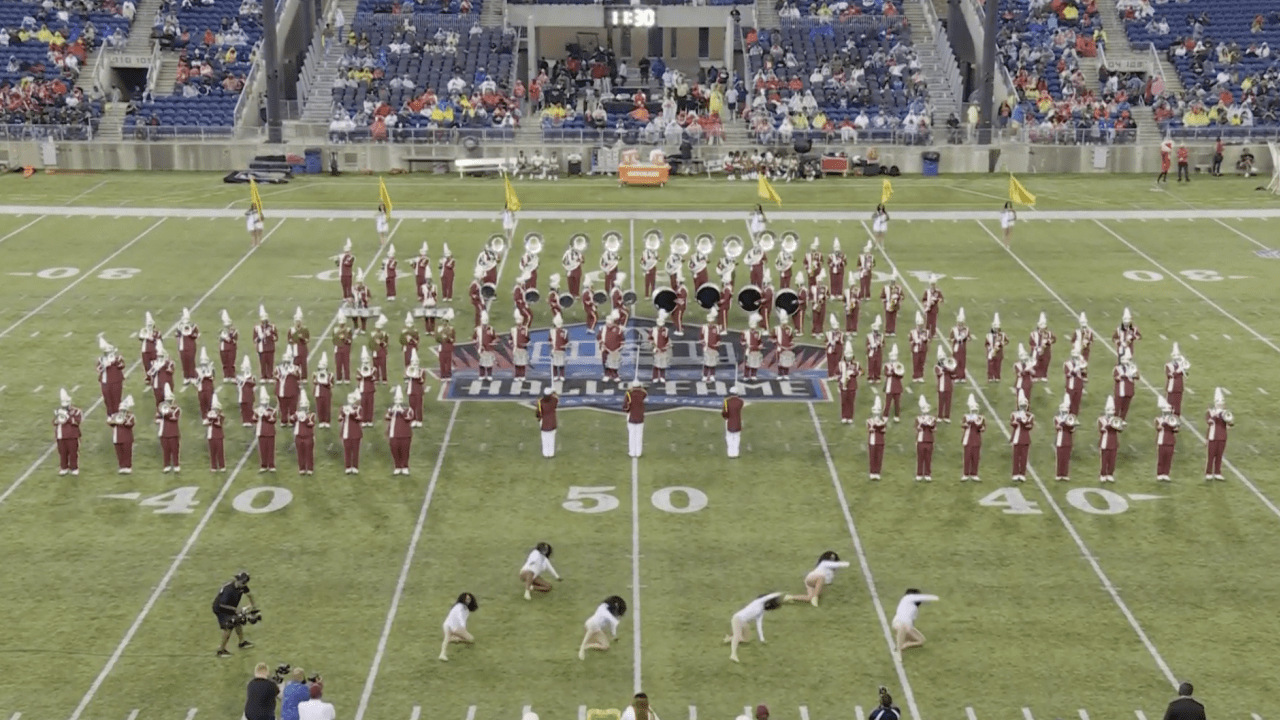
{"x": 680, "y": 245}
{"x": 533, "y": 243}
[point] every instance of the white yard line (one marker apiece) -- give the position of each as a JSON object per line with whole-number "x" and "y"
{"x": 133, "y": 714}
{"x": 81, "y": 278}
{"x": 19, "y": 230}
{"x": 416, "y": 712}
{"x": 1241, "y": 234}
{"x": 86, "y": 192}
{"x": 1140, "y": 715}
{"x": 970, "y": 714}
{"x": 97, "y": 403}
{"x": 471, "y": 712}
{"x": 1026, "y": 714}
{"x": 1178, "y": 279}
{"x": 865, "y": 565}
{"x": 191, "y": 714}
{"x": 404, "y": 572}
{"x": 1051, "y": 501}
{"x": 1190, "y": 427}
{"x": 635, "y": 571}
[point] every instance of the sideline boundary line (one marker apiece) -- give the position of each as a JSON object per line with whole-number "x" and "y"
{"x": 1049, "y": 498}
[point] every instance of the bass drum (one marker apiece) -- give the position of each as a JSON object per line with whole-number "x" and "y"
{"x": 708, "y": 296}
{"x": 788, "y": 301}
{"x": 749, "y": 298}
{"x": 665, "y": 299}
{"x": 566, "y": 300}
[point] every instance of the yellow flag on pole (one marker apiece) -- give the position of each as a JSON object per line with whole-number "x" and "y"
{"x": 512, "y": 200}
{"x": 385, "y": 197}
{"x": 255, "y": 200}
{"x": 886, "y": 191}
{"x": 766, "y": 192}
{"x": 1019, "y": 194}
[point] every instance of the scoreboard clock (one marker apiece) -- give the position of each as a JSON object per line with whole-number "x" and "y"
{"x": 631, "y": 17}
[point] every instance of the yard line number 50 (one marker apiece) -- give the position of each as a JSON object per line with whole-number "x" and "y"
{"x": 601, "y": 499}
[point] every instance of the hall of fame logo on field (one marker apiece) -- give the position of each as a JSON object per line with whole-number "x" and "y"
{"x": 584, "y": 386}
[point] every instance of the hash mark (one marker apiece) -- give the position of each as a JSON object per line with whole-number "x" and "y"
{"x": 417, "y": 709}
{"x": 1083, "y": 715}
{"x": 1264, "y": 392}
{"x": 1026, "y": 713}
{"x": 970, "y": 714}
{"x": 1162, "y": 337}
{"x": 582, "y": 712}
{"x": 35, "y": 333}
{"x": 804, "y": 712}
{"x": 68, "y": 332}
{"x": 857, "y": 712}
{"x": 1256, "y": 716}
{"x": 38, "y": 389}
{"x": 133, "y": 714}
{"x": 1193, "y": 336}
{"x": 524, "y": 711}
{"x": 192, "y": 712}
{"x": 75, "y": 388}
{"x": 471, "y": 713}
{"x": 1228, "y": 337}
{"x": 15, "y": 716}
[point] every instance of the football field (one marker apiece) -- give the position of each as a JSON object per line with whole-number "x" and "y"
{"x": 1057, "y": 599}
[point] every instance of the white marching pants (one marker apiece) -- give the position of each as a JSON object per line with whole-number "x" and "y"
{"x": 635, "y": 439}
{"x": 548, "y": 443}
{"x": 732, "y": 440}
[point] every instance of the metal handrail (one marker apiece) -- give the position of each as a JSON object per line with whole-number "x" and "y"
{"x": 1157, "y": 65}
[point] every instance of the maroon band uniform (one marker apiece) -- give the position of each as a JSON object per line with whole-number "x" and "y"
{"x": 122, "y": 438}
{"x": 265, "y": 420}
{"x": 213, "y": 433}
{"x": 170, "y": 435}
{"x": 973, "y": 426}
{"x": 352, "y": 432}
{"x": 1022, "y": 423}
{"x": 67, "y": 433}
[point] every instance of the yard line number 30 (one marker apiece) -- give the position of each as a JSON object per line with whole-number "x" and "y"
{"x": 599, "y": 499}
{"x": 1095, "y": 501}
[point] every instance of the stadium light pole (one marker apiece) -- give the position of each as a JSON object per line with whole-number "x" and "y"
{"x": 987, "y": 92}
{"x": 271, "y": 60}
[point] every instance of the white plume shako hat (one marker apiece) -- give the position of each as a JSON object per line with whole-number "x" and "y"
{"x": 160, "y": 351}
{"x": 1219, "y": 401}
{"x": 822, "y": 276}
{"x": 621, "y": 278}
{"x": 398, "y": 397}
{"x": 391, "y": 250}
{"x": 1077, "y": 350}
{"x": 833, "y": 321}
{"x": 303, "y": 402}
{"x": 168, "y": 393}
{"x": 635, "y": 383}
{"x": 558, "y": 321}
{"x": 875, "y": 324}
{"x": 893, "y": 353}
{"x": 753, "y": 320}
{"x": 186, "y": 316}
{"x": 246, "y": 367}
{"x": 613, "y": 316}
{"x": 1043, "y": 322}
{"x": 105, "y": 346}
{"x": 448, "y": 315}
{"x": 1163, "y": 404}
{"x": 1126, "y": 317}
{"x": 324, "y": 361}
{"x": 554, "y": 280}
{"x": 346, "y": 247}
{"x": 1176, "y": 354}
{"x": 484, "y": 317}
{"x": 960, "y": 316}
{"x": 1126, "y": 356}
{"x": 1084, "y": 321}
{"x": 712, "y": 317}
{"x": 515, "y": 314}
{"x": 783, "y": 317}
{"x": 1022, "y": 353}
{"x": 263, "y": 398}
{"x": 924, "y": 405}
{"x": 942, "y": 354}
{"x": 768, "y": 276}
{"x": 995, "y": 321}
{"x": 382, "y": 321}
{"x": 662, "y": 317}
{"x": 149, "y": 321}
{"x": 262, "y": 313}
{"x": 64, "y": 398}
{"x": 1022, "y": 400}
{"x": 127, "y": 402}
{"x": 226, "y": 318}
{"x": 408, "y": 319}
{"x": 972, "y": 403}
{"x": 423, "y": 250}
{"x": 297, "y": 314}
{"x": 815, "y": 245}
{"x": 1110, "y": 407}
{"x": 867, "y": 248}
{"x": 445, "y": 251}
{"x": 413, "y": 358}
{"x": 204, "y": 357}
{"x": 288, "y": 355}
{"x": 851, "y": 282}
{"x": 365, "y": 358}
{"x": 919, "y": 318}
{"x": 877, "y": 406}
{"x": 1065, "y": 405}
{"x": 835, "y": 245}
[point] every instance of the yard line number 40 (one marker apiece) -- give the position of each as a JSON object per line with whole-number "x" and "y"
{"x": 599, "y": 499}
{"x": 182, "y": 501}
{"x": 1095, "y": 501}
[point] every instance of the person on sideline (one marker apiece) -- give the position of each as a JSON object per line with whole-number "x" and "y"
{"x": 1185, "y": 707}
{"x": 295, "y": 693}
{"x": 538, "y": 562}
{"x": 455, "y": 625}
{"x": 822, "y": 574}
{"x": 886, "y": 710}
{"x": 315, "y": 708}
{"x": 753, "y": 612}
{"x": 904, "y": 620}
{"x": 260, "y": 695}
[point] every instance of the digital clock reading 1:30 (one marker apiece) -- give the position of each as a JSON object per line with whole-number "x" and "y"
{"x": 637, "y": 17}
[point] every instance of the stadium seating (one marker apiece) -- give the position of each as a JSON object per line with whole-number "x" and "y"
{"x": 1217, "y": 85}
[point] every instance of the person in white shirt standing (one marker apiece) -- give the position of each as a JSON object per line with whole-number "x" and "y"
{"x": 315, "y": 708}
{"x": 904, "y": 621}
{"x": 539, "y": 562}
{"x": 753, "y": 612}
{"x": 455, "y": 625}
{"x": 819, "y": 577}
{"x": 606, "y": 617}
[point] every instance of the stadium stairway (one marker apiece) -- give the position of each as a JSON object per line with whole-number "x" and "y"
{"x": 139, "y": 41}
{"x": 492, "y": 13}
{"x": 318, "y": 107}
{"x": 767, "y": 15}
{"x": 109, "y": 128}
{"x": 941, "y": 98}
{"x": 1119, "y": 49}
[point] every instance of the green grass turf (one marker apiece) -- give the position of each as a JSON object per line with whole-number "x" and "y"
{"x": 1025, "y": 620}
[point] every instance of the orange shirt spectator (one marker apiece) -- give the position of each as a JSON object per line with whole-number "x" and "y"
{"x": 379, "y": 130}
{"x": 209, "y": 38}
{"x": 890, "y": 10}
{"x": 640, "y": 113}
{"x": 796, "y": 84}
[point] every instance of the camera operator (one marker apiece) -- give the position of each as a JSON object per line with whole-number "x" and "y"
{"x": 315, "y": 708}
{"x": 296, "y": 691}
{"x": 260, "y": 696}
{"x": 225, "y": 607}
{"x": 887, "y": 710}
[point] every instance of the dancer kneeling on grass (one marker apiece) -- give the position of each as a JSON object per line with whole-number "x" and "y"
{"x": 539, "y": 561}
{"x": 819, "y": 577}
{"x": 606, "y": 617}
{"x": 904, "y": 621}
{"x": 455, "y": 625}
{"x": 753, "y": 612}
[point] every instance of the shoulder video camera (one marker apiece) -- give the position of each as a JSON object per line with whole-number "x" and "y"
{"x": 247, "y": 616}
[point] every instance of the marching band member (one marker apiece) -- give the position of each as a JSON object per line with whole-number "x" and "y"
{"x": 933, "y": 300}
{"x": 323, "y": 388}
{"x": 926, "y": 424}
{"x": 204, "y": 382}
{"x": 1175, "y": 373}
{"x": 415, "y": 381}
{"x": 168, "y": 417}
{"x": 264, "y": 339}
{"x": 731, "y": 411}
{"x": 682, "y": 303}
{"x": 919, "y": 338}
{"x": 649, "y": 263}
{"x": 187, "y": 334}
{"x": 409, "y": 339}
{"x": 455, "y": 625}
{"x": 362, "y": 298}
{"x": 545, "y": 412}
{"x": 110, "y": 368}
{"x": 382, "y": 224}
{"x": 421, "y": 265}
{"x": 837, "y": 261}
{"x": 253, "y": 223}
{"x": 633, "y": 406}
{"x": 446, "y": 336}
{"x": 304, "y": 436}
{"x": 264, "y": 418}
{"x": 605, "y": 618}
{"x": 572, "y": 262}
{"x": 388, "y": 272}
{"x": 66, "y": 431}
{"x": 245, "y": 383}
{"x": 893, "y": 372}
{"x": 299, "y": 339}
{"x": 891, "y": 300}
{"x": 672, "y": 268}
{"x": 755, "y": 259}
{"x": 710, "y": 348}
{"x": 725, "y": 303}
{"x": 535, "y": 566}
{"x": 880, "y": 223}
{"x": 945, "y": 371}
{"x": 399, "y": 432}
{"x": 589, "y": 302}
{"x": 609, "y": 263}
{"x": 345, "y": 262}
{"x": 904, "y": 620}
{"x": 1076, "y": 371}
{"x": 366, "y": 379}
{"x": 877, "y": 424}
{"x": 161, "y": 373}
{"x": 213, "y": 422}
{"x": 960, "y": 337}
{"x": 518, "y": 298}
{"x": 1008, "y": 217}
{"x": 1126, "y": 376}
{"x": 609, "y": 342}
{"x": 740, "y": 624}
{"x": 1022, "y": 421}
{"x": 866, "y": 265}
{"x": 1022, "y": 372}
{"x": 852, "y": 299}
{"x": 430, "y": 299}
{"x": 765, "y": 309}
{"x": 121, "y": 423}
{"x": 343, "y": 336}
{"x": 802, "y": 305}
{"x": 149, "y": 336}
{"x": 813, "y": 265}
{"x": 973, "y": 425}
{"x": 754, "y": 341}
{"x": 352, "y": 432}
{"x": 228, "y": 338}
{"x": 528, "y": 266}
{"x": 727, "y": 265}
{"x": 785, "y": 338}
{"x": 875, "y": 349}
{"x": 1217, "y": 420}
{"x": 1084, "y": 336}
{"x": 553, "y": 295}
{"x": 379, "y": 339}
{"x": 287, "y": 388}
{"x": 785, "y": 263}
{"x": 1166, "y": 439}
{"x": 822, "y": 575}
{"x": 1064, "y": 430}
{"x": 617, "y": 302}
{"x": 519, "y": 346}
{"x": 448, "y": 265}
{"x": 818, "y": 303}
{"x": 995, "y": 344}
{"x": 638, "y": 710}
{"x": 487, "y": 262}
{"x": 1042, "y": 340}
{"x": 756, "y": 224}
{"x": 835, "y": 348}
{"x": 1127, "y": 334}
{"x": 1109, "y": 429}
{"x": 560, "y": 349}
{"x": 698, "y": 263}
